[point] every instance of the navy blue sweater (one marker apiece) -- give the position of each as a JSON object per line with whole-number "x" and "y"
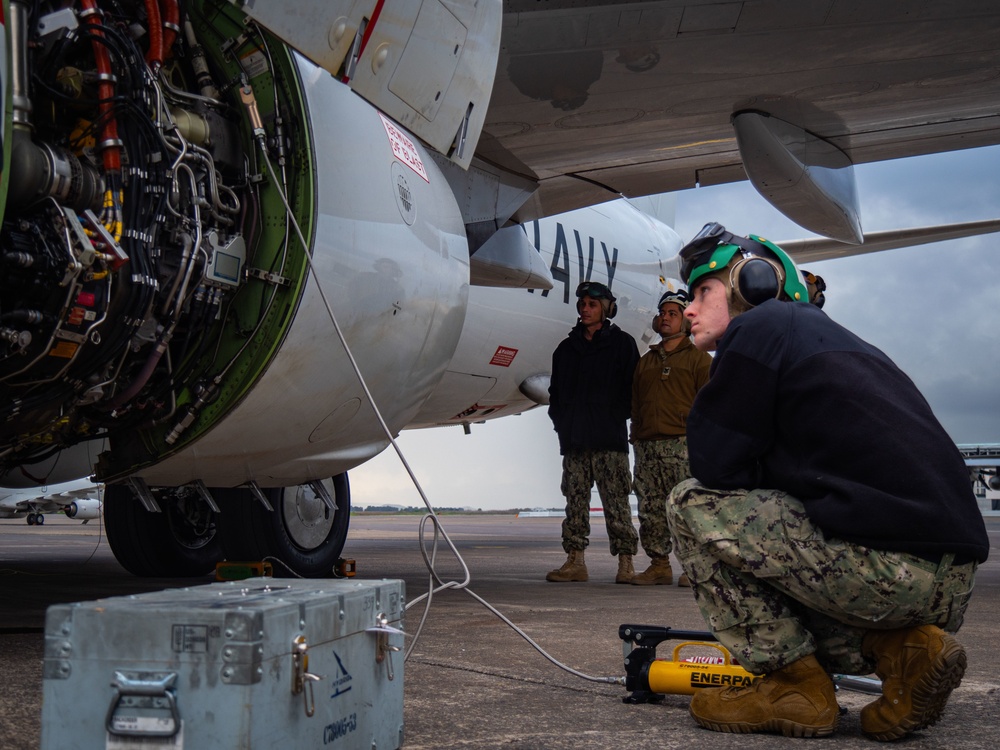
{"x": 590, "y": 391}
{"x": 798, "y": 403}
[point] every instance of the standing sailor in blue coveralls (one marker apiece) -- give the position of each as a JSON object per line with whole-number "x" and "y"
{"x": 831, "y": 525}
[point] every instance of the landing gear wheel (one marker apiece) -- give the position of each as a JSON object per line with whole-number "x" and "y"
{"x": 40, "y": 520}
{"x": 302, "y": 534}
{"x": 32, "y": 519}
{"x": 181, "y": 541}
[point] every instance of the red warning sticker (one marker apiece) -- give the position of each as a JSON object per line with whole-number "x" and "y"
{"x": 503, "y": 356}
{"x": 403, "y": 148}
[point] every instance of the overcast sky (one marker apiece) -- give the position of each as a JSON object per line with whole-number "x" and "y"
{"x": 934, "y": 309}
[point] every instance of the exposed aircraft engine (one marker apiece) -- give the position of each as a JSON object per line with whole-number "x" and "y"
{"x": 188, "y": 207}
{"x": 124, "y": 228}
{"x": 994, "y": 482}
{"x": 84, "y": 510}
{"x": 151, "y": 271}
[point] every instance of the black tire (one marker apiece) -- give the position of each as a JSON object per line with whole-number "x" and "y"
{"x": 301, "y": 537}
{"x": 182, "y": 541}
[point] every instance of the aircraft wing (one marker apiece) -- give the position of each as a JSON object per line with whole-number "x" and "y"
{"x": 980, "y": 455}
{"x": 815, "y": 249}
{"x": 595, "y": 100}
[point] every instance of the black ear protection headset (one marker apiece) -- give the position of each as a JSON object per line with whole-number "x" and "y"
{"x": 755, "y": 279}
{"x": 816, "y": 287}
{"x": 597, "y": 290}
{"x": 763, "y": 272}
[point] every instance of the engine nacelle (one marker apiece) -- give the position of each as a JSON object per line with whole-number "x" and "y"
{"x": 84, "y": 510}
{"x": 174, "y": 221}
{"x": 993, "y": 482}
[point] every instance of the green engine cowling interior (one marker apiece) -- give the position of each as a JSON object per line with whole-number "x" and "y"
{"x": 275, "y": 247}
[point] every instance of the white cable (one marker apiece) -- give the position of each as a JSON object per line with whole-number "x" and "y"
{"x": 431, "y": 515}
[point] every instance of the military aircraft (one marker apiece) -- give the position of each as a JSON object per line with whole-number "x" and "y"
{"x": 984, "y": 467}
{"x": 245, "y": 244}
{"x": 79, "y": 499}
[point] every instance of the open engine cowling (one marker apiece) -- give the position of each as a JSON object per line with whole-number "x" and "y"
{"x": 156, "y": 301}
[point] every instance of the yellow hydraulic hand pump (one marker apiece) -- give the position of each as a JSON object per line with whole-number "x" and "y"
{"x": 650, "y": 678}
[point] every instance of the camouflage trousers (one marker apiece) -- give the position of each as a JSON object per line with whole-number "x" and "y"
{"x": 609, "y": 470}
{"x": 659, "y": 466}
{"x": 773, "y": 589}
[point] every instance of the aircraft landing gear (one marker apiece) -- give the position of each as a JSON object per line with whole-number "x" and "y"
{"x": 182, "y": 540}
{"x": 35, "y": 519}
{"x": 302, "y": 535}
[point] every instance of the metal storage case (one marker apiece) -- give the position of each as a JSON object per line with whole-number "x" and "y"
{"x": 264, "y": 663}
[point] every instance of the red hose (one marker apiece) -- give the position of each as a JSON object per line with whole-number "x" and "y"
{"x": 111, "y": 152}
{"x": 154, "y": 55}
{"x": 171, "y": 24}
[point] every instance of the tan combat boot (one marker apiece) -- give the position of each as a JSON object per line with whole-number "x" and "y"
{"x": 658, "y": 572}
{"x": 574, "y": 569}
{"x": 625, "y": 570}
{"x": 684, "y": 582}
{"x": 919, "y": 668}
{"x": 797, "y": 700}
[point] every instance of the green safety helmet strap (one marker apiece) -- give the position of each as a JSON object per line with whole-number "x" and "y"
{"x": 713, "y": 248}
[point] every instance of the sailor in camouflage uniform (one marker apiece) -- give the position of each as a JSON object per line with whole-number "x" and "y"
{"x": 666, "y": 380}
{"x": 590, "y": 395}
{"x": 830, "y": 526}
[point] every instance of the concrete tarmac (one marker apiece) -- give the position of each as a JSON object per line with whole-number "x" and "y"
{"x": 471, "y": 680}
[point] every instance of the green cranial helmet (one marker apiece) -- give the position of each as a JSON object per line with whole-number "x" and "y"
{"x": 713, "y": 249}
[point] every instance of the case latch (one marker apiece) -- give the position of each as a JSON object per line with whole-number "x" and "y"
{"x": 383, "y": 649}
{"x": 302, "y": 678}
